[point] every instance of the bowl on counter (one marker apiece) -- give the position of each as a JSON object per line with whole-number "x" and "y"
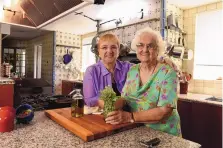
{"x": 24, "y": 113}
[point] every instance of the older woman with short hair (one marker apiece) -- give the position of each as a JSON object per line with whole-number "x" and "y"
{"x": 108, "y": 71}
{"x": 151, "y": 88}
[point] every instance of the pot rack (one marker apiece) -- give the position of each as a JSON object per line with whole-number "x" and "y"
{"x": 95, "y": 20}
{"x": 118, "y": 21}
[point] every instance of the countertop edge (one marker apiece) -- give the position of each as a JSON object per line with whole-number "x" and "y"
{"x": 4, "y": 81}
{"x": 193, "y": 97}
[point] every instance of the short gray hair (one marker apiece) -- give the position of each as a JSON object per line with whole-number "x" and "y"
{"x": 157, "y": 38}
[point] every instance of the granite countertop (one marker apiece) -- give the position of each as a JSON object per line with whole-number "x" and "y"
{"x": 6, "y": 81}
{"x": 198, "y": 98}
{"x": 44, "y": 133}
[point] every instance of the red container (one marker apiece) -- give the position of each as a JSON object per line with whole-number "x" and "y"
{"x": 183, "y": 88}
{"x": 7, "y": 115}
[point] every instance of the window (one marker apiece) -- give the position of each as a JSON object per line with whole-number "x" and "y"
{"x": 88, "y": 58}
{"x": 16, "y": 58}
{"x": 20, "y": 62}
{"x": 208, "y": 61}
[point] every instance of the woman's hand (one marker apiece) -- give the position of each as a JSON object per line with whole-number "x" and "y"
{"x": 168, "y": 61}
{"x": 118, "y": 117}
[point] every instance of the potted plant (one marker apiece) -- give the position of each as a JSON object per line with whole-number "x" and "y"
{"x": 184, "y": 78}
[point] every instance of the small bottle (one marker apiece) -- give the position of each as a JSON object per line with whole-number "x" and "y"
{"x": 77, "y": 105}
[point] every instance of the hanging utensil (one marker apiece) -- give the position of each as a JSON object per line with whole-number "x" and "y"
{"x": 94, "y": 47}
{"x": 67, "y": 58}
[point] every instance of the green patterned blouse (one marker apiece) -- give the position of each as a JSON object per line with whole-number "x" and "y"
{"x": 160, "y": 90}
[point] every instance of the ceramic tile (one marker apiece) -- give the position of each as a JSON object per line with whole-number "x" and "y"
{"x": 191, "y": 88}
{"x": 192, "y": 12}
{"x": 186, "y": 13}
{"x": 218, "y": 85}
{"x": 209, "y": 83}
{"x": 199, "y": 89}
{"x": 218, "y": 93}
{"x": 202, "y": 8}
{"x": 219, "y": 5}
{"x": 208, "y": 91}
{"x": 218, "y": 82}
{"x": 211, "y": 6}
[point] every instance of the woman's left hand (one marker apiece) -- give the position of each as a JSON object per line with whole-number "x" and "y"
{"x": 118, "y": 117}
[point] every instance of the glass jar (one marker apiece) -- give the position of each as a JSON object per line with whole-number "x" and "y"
{"x": 77, "y": 105}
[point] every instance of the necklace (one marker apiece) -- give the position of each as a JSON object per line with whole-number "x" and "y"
{"x": 141, "y": 83}
{"x": 152, "y": 70}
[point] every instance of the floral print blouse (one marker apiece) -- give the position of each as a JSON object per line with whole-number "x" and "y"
{"x": 160, "y": 90}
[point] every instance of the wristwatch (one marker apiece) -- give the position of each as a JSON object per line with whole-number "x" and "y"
{"x": 132, "y": 118}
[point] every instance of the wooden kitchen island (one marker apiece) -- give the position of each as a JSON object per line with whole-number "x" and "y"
{"x": 44, "y": 133}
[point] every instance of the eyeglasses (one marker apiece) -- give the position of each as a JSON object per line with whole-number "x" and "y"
{"x": 148, "y": 46}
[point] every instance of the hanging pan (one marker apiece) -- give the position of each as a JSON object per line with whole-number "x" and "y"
{"x": 67, "y": 58}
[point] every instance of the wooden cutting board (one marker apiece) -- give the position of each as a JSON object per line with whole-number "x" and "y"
{"x": 88, "y": 127}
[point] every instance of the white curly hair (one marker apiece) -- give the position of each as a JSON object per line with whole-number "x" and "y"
{"x": 156, "y": 36}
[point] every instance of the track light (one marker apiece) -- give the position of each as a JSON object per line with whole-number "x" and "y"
{"x": 142, "y": 14}
{"x": 117, "y": 22}
{"x": 97, "y": 2}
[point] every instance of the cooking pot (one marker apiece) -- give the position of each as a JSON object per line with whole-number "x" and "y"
{"x": 7, "y": 115}
{"x": 124, "y": 49}
{"x": 94, "y": 47}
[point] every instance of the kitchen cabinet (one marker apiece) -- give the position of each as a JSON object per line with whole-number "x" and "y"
{"x": 185, "y": 111}
{"x": 69, "y": 85}
{"x": 6, "y": 95}
{"x": 201, "y": 123}
{"x": 207, "y": 124}
{"x": 17, "y": 92}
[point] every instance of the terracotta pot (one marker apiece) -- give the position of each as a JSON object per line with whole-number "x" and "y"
{"x": 183, "y": 88}
{"x": 7, "y": 115}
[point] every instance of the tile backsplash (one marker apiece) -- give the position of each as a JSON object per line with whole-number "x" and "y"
{"x": 210, "y": 87}
{"x": 71, "y": 43}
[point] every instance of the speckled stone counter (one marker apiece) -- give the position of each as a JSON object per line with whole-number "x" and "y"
{"x": 6, "y": 81}
{"x": 44, "y": 133}
{"x": 198, "y": 98}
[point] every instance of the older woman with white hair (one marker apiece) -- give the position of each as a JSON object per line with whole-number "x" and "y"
{"x": 151, "y": 88}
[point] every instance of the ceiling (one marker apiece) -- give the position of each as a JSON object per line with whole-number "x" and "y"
{"x": 27, "y": 16}
{"x": 35, "y": 12}
{"x": 81, "y": 25}
{"x": 38, "y": 16}
{"x": 78, "y": 24}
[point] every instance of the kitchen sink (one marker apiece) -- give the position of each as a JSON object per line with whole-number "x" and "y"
{"x": 214, "y": 99}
